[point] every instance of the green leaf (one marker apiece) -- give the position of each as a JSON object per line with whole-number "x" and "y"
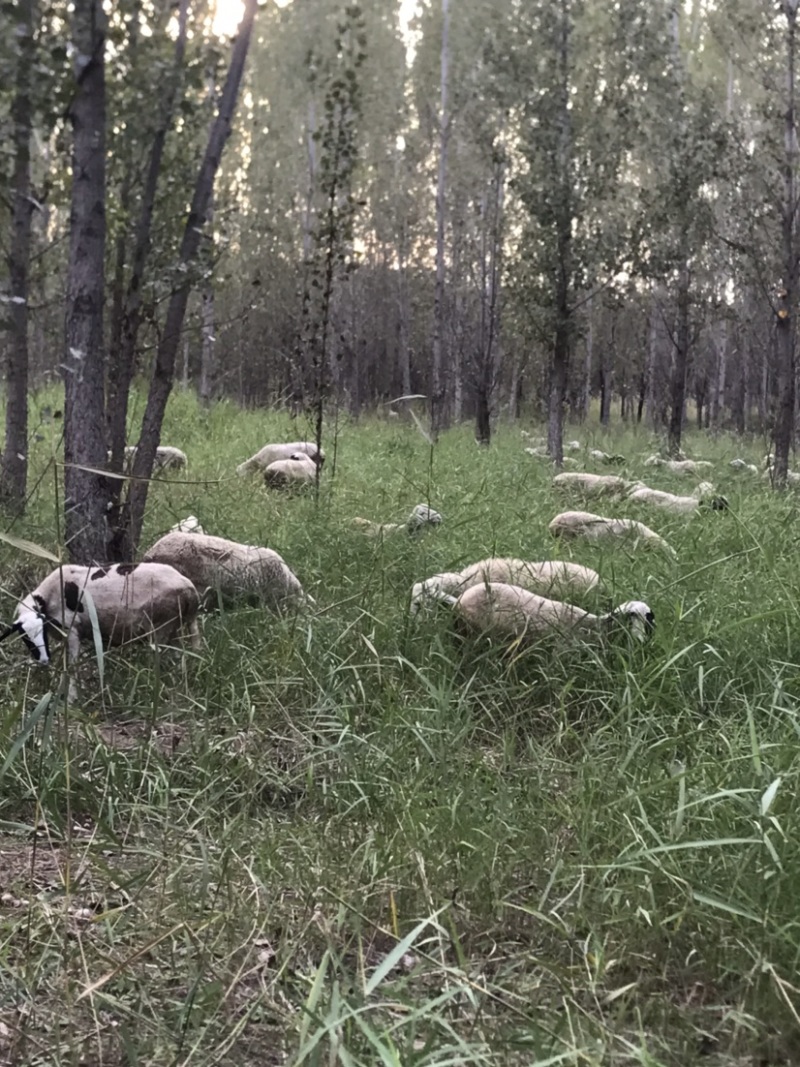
{"x": 28, "y": 546}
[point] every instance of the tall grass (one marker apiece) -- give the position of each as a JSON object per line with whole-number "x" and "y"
{"x": 348, "y": 838}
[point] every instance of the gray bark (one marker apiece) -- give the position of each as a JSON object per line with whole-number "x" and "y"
{"x": 122, "y": 363}
{"x": 87, "y": 495}
{"x": 14, "y": 473}
{"x": 787, "y": 297}
{"x": 164, "y": 369}
{"x": 563, "y": 266}
{"x": 437, "y": 365}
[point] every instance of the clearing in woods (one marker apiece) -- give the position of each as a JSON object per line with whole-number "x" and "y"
{"x": 348, "y": 838}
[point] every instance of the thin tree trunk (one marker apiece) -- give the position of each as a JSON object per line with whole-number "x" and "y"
{"x": 563, "y": 324}
{"x": 121, "y": 367}
{"x": 680, "y": 357}
{"x": 164, "y": 369}
{"x": 87, "y": 495}
{"x": 588, "y": 362}
{"x": 403, "y": 353}
{"x": 205, "y": 387}
{"x": 437, "y": 403}
{"x": 787, "y": 298}
{"x": 14, "y": 474}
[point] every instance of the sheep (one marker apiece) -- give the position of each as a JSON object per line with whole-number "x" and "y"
{"x": 679, "y": 466}
{"x": 593, "y": 484}
{"x": 573, "y": 446}
{"x": 420, "y": 519}
{"x": 272, "y": 453}
{"x": 130, "y": 601}
{"x": 702, "y": 497}
{"x": 540, "y": 453}
{"x": 509, "y": 611}
{"x": 606, "y": 457}
{"x": 166, "y": 458}
{"x": 553, "y": 576}
{"x": 296, "y": 472}
{"x": 191, "y": 524}
{"x": 228, "y": 571}
{"x": 792, "y": 477}
{"x": 741, "y": 465}
{"x": 584, "y": 525}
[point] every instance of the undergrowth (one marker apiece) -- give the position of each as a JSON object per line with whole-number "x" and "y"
{"x": 353, "y": 838}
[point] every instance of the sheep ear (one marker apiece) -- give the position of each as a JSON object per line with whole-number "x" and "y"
{"x": 14, "y": 628}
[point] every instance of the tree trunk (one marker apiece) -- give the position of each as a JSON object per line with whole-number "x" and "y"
{"x": 680, "y": 354}
{"x": 787, "y": 296}
{"x": 14, "y": 474}
{"x": 87, "y": 496}
{"x": 122, "y": 363}
{"x": 164, "y": 369}
{"x": 437, "y": 402}
{"x": 205, "y": 386}
{"x": 588, "y": 363}
{"x": 404, "y": 317}
{"x": 563, "y": 266}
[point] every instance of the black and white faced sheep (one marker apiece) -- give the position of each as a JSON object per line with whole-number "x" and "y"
{"x": 583, "y": 525}
{"x": 131, "y": 601}
{"x": 511, "y": 612}
{"x": 229, "y": 571}
{"x": 275, "y": 452}
{"x": 703, "y": 497}
{"x": 421, "y": 518}
{"x": 545, "y": 578}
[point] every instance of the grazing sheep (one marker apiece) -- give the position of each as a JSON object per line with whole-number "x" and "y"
{"x": 510, "y": 611}
{"x": 679, "y": 466}
{"x": 296, "y": 472}
{"x": 130, "y": 601}
{"x": 167, "y": 458}
{"x": 191, "y": 524}
{"x": 534, "y": 440}
{"x": 606, "y": 457}
{"x": 593, "y": 484}
{"x": 540, "y": 453}
{"x": 236, "y": 573}
{"x": 573, "y": 446}
{"x": 583, "y": 525}
{"x": 272, "y": 453}
{"x": 741, "y": 465}
{"x": 552, "y": 576}
{"x": 702, "y": 497}
{"x": 420, "y": 519}
{"x": 792, "y": 477}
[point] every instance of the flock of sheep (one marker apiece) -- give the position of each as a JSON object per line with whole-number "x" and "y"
{"x": 187, "y": 569}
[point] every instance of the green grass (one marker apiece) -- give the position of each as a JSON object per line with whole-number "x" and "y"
{"x": 350, "y": 839}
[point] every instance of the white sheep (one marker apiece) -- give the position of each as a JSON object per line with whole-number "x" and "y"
{"x": 543, "y": 454}
{"x": 236, "y": 573}
{"x": 296, "y": 472}
{"x": 272, "y": 453}
{"x": 551, "y": 576}
{"x": 583, "y": 525}
{"x": 606, "y": 457}
{"x": 679, "y": 466}
{"x": 702, "y": 497}
{"x": 130, "y": 601}
{"x": 792, "y": 477}
{"x": 589, "y": 485}
{"x": 191, "y": 524}
{"x": 421, "y": 517}
{"x": 509, "y": 611}
{"x": 166, "y": 458}
{"x": 573, "y": 446}
{"x": 741, "y": 465}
